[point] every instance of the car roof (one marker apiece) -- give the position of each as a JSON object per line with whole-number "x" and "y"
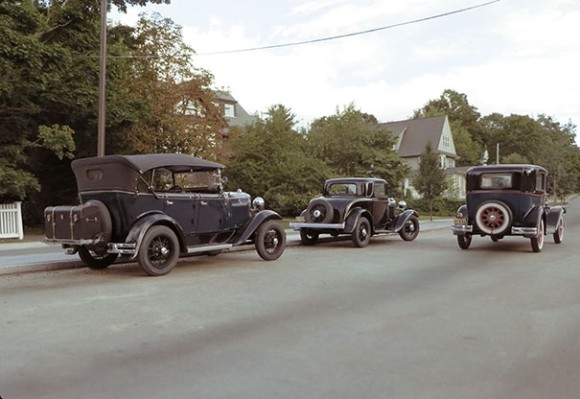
{"x": 145, "y": 162}
{"x": 354, "y": 180}
{"x": 505, "y": 168}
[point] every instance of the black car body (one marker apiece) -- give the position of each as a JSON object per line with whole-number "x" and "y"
{"x": 360, "y": 207}
{"x": 154, "y": 208}
{"x": 508, "y": 200}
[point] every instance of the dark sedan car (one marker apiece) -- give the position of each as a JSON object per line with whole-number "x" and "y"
{"x": 155, "y": 208}
{"x": 359, "y": 207}
{"x": 508, "y": 200}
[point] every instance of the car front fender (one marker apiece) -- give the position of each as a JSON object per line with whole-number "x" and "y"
{"x": 256, "y": 222}
{"x": 553, "y": 217}
{"x": 403, "y": 217}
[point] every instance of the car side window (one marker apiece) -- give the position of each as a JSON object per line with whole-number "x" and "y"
{"x": 540, "y": 183}
{"x": 161, "y": 180}
{"x": 380, "y": 190}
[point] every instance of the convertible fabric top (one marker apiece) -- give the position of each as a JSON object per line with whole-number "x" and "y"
{"x": 145, "y": 162}
{"x": 121, "y": 172}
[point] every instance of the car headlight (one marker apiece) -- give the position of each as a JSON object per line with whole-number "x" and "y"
{"x": 258, "y": 203}
{"x": 402, "y": 205}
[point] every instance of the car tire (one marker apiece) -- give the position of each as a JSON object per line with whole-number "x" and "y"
{"x": 493, "y": 217}
{"x": 159, "y": 251}
{"x": 270, "y": 240}
{"x": 410, "y": 229}
{"x": 464, "y": 241}
{"x": 361, "y": 235}
{"x": 538, "y": 241}
{"x": 559, "y": 233}
{"x": 308, "y": 237}
{"x": 96, "y": 260}
{"x": 319, "y": 211}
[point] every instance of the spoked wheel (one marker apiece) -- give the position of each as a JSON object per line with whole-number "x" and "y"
{"x": 464, "y": 241}
{"x": 270, "y": 240}
{"x": 538, "y": 241}
{"x": 97, "y": 259}
{"x": 159, "y": 251}
{"x": 308, "y": 237}
{"x": 493, "y": 217}
{"x": 410, "y": 230}
{"x": 361, "y": 236}
{"x": 559, "y": 233}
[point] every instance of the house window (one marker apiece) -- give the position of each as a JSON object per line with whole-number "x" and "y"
{"x": 191, "y": 108}
{"x": 446, "y": 142}
{"x": 229, "y": 111}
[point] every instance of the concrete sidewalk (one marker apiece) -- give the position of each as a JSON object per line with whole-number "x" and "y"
{"x": 33, "y": 254}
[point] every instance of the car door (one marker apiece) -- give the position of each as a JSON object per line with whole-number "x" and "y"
{"x": 212, "y": 213}
{"x": 380, "y": 205}
{"x": 183, "y": 209}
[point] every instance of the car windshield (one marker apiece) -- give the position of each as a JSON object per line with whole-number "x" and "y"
{"x": 496, "y": 180}
{"x": 342, "y": 189}
{"x": 163, "y": 179}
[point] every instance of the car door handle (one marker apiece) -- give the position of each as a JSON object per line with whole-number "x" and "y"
{"x": 203, "y": 202}
{"x": 169, "y": 202}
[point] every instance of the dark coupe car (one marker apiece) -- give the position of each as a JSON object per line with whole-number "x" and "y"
{"x": 508, "y": 200}
{"x": 360, "y": 207}
{"x": 155, "y": 208}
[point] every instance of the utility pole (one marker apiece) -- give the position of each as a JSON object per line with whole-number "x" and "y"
{"x": 102, "y": 79}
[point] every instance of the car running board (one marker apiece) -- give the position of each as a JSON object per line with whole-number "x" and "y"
{"x": 209, "y": 247}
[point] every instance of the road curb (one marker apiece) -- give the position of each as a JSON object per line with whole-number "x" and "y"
{"x": 293, "y": 239}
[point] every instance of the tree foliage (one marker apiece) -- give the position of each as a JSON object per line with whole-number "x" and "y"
{"x": 49, "y": 61}
{"x": 431, "y": 180}
{"x": 179, "y": 113}
{"x": 519, "y": 139}
{"x": 271, "y": 160}
{"x": 353, "y": 143}
{"x": 158, "y": 101}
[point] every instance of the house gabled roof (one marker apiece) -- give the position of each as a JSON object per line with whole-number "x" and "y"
{"x": 414, "y": 134}
{"x": 241, "y": 115}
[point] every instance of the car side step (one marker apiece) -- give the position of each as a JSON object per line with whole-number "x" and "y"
{"x": 209, "y": 247}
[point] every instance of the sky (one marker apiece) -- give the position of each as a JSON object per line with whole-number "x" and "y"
{"x": 507, "y": 56}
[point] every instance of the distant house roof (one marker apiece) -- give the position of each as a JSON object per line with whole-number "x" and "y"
{"x": 414, "y": 134}
{"x": 459, "y": 170}
{"x": 239, "y": 117}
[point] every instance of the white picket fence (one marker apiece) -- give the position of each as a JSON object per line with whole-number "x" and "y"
{"x": 11, "y": 221}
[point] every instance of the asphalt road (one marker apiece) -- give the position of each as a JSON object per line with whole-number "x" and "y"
{"x": 393, "y": 320}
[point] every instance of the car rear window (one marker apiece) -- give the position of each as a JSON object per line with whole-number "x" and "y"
{"x": 496, "y": 181}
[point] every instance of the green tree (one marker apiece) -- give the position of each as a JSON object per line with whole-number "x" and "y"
{"x": 353, "y": 143}
{"x": 49, "y": 61}
{"x": 431, "y": 181}
{"x": 179, "y": 113}
{"x": 270, "y": 159}
{"x": 542, "y": 141}
{"x": 468, "y": 136}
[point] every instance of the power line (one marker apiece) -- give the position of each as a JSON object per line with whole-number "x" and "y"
{"x": 364, "y": 32}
